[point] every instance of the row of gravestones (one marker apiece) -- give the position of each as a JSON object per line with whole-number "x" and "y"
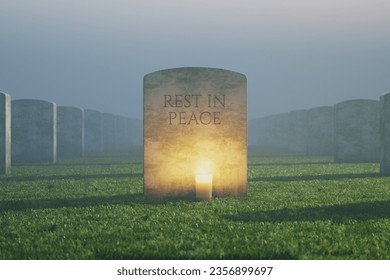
{"x": 41, "y": 131}
{"x": 350, "y": 131}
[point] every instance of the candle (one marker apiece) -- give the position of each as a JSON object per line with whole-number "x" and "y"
{"x": 204, "y": 185}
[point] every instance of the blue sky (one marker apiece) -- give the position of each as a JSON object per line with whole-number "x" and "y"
{"x": 296, "y": 54}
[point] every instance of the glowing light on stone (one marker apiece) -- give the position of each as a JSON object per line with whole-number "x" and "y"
{"x": 204, "y": 186}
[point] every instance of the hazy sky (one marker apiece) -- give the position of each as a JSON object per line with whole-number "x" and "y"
{"x": 296, "y": 54}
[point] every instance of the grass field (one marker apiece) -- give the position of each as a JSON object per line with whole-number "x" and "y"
{"x": 296, "y": 208}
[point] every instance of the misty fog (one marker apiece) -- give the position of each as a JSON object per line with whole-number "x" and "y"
{"x": 295, "y": 54}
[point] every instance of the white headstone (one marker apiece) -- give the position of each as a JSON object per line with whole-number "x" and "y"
{"x": 356, "y": 131}
{"x": 92, "y": 132}
{"x": 34, "y": 135}
{"x": 297, "y": 131}
{"x": 108, "y": 132}
{"x": 320, "y": 131}
{"x": 385, "y": 134}
{"x": 70, "y": 131}
{"x": 5, "y": 133}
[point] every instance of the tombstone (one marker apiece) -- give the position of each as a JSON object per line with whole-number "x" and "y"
{"x": 33, "y": 128}
{"x": 108, "y": 132}
{"x": 5, "y": 133}
{"x": 356, "y": 131}
{"x": 297, "y": 131}
{"x": 385, "y": 134}
{"x": 319, "y": 139}
{"x": 70, "y": 131}
{"x": 195, "y": 132}
{"x": 92, "y": 132}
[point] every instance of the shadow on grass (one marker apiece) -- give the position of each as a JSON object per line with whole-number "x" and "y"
{"x": 71, "y": 177}
{"x": 122, "y": 199}
{"x": 96, "y": 164}
{"x": 336, "y": 213}
{"x": 107, "y": 254}
{"x": 316, "y": 177}
{"x": 289, "y": 163}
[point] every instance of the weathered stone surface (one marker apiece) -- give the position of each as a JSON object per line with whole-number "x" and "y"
{"x": 385, "y": 134}
{"x": 70, "y": 131}
{"x": 5, "y": 133}
{"x": 194, "y": 123}
{"x": 92, "y": 132}
{"x": 356, "y": 131}
{"x": 33, "y": 128}
{"x": 297, "y": 131}
{"x": 320, "y": 131}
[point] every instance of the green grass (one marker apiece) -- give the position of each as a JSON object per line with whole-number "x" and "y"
{"x": 296, "y": 208}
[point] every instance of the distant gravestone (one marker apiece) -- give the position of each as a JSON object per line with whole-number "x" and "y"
{"x": 33, "y": 128}
{"x": 254, "y": 132}
{"x": 122, "y": 133}
{"x": 263, "y": 138}
{"x": 297, "y": 131}
{"x": 108, "y": 132}
{"x": 92, "y": 132}
{"x": 356, "y": 131}
{"x": 385, "y": 134}
{"x": 5, "y": 133}
{"x": 320, "y": 131}
{"x": 277, "y": 132}
{"x": 70, "y": 131}
{"x": 262, "y": 133}
{"x": 195, "y": 133}
{"x": 137, "y": 132}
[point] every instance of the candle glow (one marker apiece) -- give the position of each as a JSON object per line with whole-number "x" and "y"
{"x": 204, "y": 185}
